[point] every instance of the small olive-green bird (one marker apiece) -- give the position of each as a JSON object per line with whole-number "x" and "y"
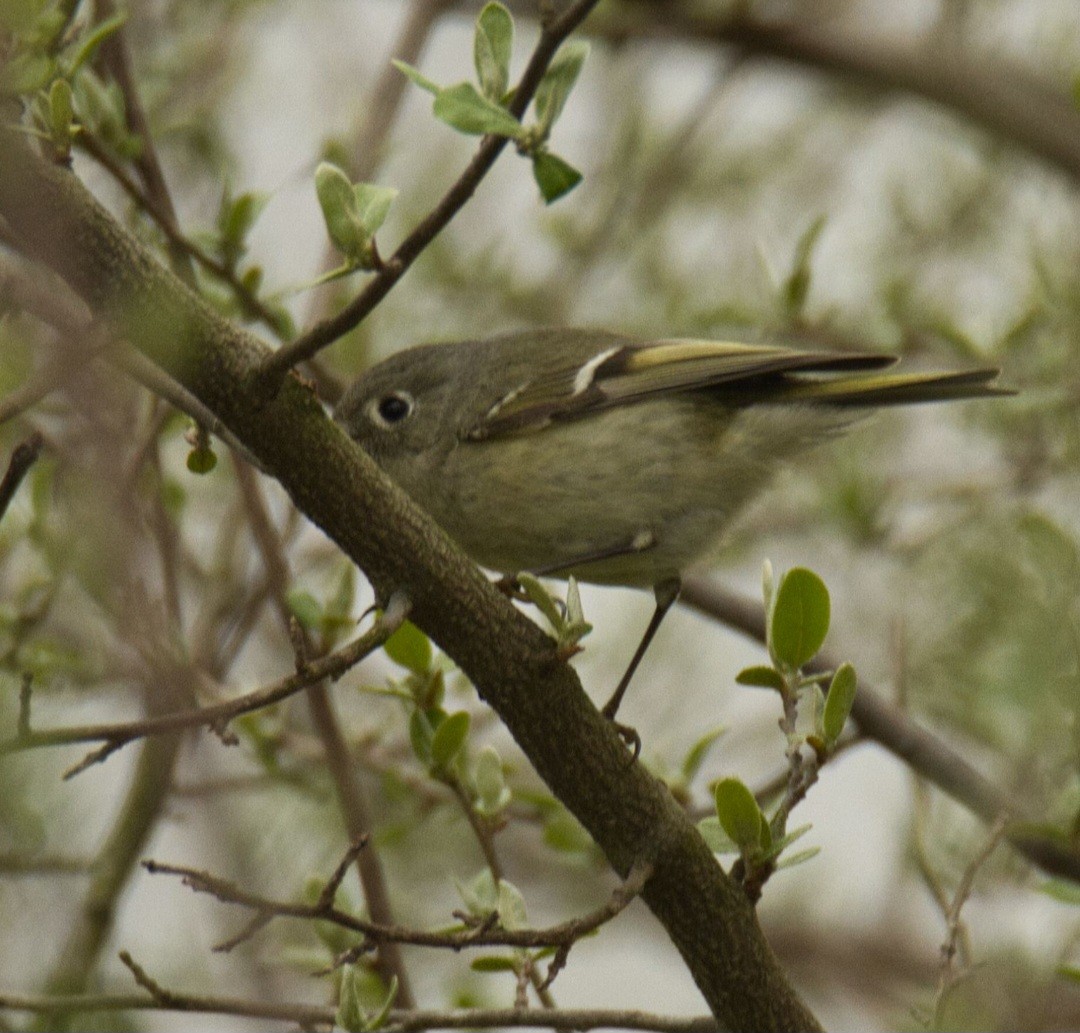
{"x": 617, "y": 460}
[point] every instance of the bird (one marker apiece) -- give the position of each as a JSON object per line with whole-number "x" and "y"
{"x": 614, "y": 459}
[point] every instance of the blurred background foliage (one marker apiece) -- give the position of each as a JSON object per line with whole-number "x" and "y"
{"x": 725, "y": 192}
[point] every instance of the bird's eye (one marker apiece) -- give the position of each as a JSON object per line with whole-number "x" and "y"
{"x": 394, "y": 407}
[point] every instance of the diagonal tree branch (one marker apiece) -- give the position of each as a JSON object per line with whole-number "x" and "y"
{"x": 513, "y": 665}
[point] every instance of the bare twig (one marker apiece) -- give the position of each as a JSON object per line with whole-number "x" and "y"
{"x": 116, "y": 58}
{"x": 22, "y": 726}
{"x": 487, "y": 933}
{"x": 117, "y": 735}
{"x": 309, "y": 1016}
{"x": 329, "y": 330}
{"x": 44, "y": 864}
{"x": 333, "y": 884}
{"x": 481, "y": 827}
{"x": 948, "y": 976}
{"x": 140, "y": 368}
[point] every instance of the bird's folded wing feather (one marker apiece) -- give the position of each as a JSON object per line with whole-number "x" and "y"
{"x": 631, "y": 372}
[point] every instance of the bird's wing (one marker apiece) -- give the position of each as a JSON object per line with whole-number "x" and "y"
{"x": 622, "y": 372}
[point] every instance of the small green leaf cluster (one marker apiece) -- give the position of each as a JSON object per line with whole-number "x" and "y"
{"x": 798, "y": 614}
{"x": 679, "y": 778}
{"x": 48, "y": 63}
{"x": 352, "y": 1014}
{"x": 485, "y": 111}
{"x": 353, "y": 213}
{"x": 228, "y": 243}
{"x": 797, "y": 621}
{"x": 440, "y": 739}
{"x": 330, "y": 618}
{"x": 483, "y": 896}
{"x": 741, "y": 827}
{"x": 567, "y": 619}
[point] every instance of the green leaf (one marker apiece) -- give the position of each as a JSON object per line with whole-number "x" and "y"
{"x": 236, "y": 216}
{"x": 1069, "y": 972}
{"x": 417, "y": 78}
{"x": 462, "y": 108}
{"x": 799, "y": 857}
{"x": 797, "y": 286}
{"x": 61, "y": 113}
{"x": 494, "y": 963}
{"x": 716, "y": 839}
{"x": 85, "y": 48}
{"x": 201, "y": 460}
{"x": 340, "y": 210}
{"x": 26, "y": 73}
{"x": 449, "y": 738}
{"x": 350, "y": 1014}
{"x": 378, "y": 1019}
{"x": 512, "y": 911}
{"x": 800, "y": 618}
{"x": 767, "y": 586}
{"x": 306, "y": 609}
{"x": 575, "y": 614}
{"x": 542, "y": 599}
{"x": 421, "y": 735}
{"x": 695, "y": 756}
{"x": 563, "y": 832}
{"x": 553, "y": 176}
{"x": 492, "y": 793}
{"x": 480, "y": 895}
{"x": 1062, "y": 890}
{"x": 557, "y": 83}
{"x": 838, "y": 702}
{"x": 761, "y": 677}
{"x": 372, "y": 203}
{"x": 738, "y": 813}
{"x": 410, "y": 648}
{"x": 340, "y": 603}
{"x": 491, "y": 50}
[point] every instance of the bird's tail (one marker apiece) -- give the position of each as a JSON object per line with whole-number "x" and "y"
{"x": 887, "y": 389}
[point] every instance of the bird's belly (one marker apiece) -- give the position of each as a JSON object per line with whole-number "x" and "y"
{"x": 618, "y": 515}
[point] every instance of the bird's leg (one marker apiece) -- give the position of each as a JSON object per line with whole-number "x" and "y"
{"x": 666, "y": 592}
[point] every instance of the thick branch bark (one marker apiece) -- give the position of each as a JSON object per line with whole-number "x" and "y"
{"x": 510, "y": 661}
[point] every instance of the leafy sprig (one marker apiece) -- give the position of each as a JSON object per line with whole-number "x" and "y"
{"x": 482, "y": 109}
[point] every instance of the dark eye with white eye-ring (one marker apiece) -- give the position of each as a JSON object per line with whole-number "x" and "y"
{"x": 392, "y": 408}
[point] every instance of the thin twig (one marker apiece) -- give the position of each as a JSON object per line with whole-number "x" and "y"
{"x": 13, "y": 864}
{"x": 398, "y": 1021}
{"x": 329, "y": 330}
{"x": 115, "y": 57}
{"x": 481, "y": 827}
{"x": 331, "y": 666}
{"x": 141, "y": 369}
{"x": 948, "y": 977}
{"x": 333, "y": 884}
{"x": 23, "y": 456}
{"x": 351, "y": 798}
{"x": 485, "y": 934}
